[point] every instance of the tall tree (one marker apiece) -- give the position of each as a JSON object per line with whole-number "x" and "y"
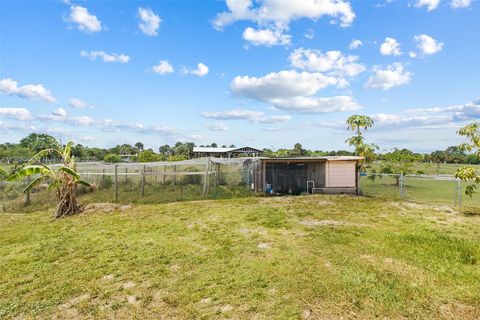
{"x": 470, "y": 174}
{"x": 357, "y": 123}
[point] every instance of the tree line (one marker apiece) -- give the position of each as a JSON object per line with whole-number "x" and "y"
{"x": 33, "y": 143}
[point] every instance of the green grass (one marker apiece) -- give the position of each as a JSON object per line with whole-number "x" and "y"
{"x": 418, "y": 190}
{"x": 265, "y": 258}
{"x": 429, "y": 168}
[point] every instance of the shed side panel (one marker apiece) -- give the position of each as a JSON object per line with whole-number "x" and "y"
{"x": 341, "y": 174}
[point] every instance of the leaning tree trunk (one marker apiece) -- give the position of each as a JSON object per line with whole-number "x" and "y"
{"x": 67, "y": 198}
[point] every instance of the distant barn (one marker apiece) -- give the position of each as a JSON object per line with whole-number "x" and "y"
{"x": 226, "y": 152}
{"x": 336, "y": 174}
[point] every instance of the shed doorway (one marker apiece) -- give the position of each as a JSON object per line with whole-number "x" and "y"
{"x": 287, "y": 178}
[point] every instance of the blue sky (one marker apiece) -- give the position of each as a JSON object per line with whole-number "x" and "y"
{"x": 263, "y": 73}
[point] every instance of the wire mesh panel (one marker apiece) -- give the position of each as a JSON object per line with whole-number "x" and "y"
{"x": 381, "y": 185}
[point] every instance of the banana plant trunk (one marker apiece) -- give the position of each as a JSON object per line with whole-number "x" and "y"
{"x": 67, "y": 198}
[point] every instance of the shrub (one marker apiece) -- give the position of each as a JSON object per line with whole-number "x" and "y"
{"x": 112, "y": 158}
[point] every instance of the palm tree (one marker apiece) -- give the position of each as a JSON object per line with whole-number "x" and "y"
{"x": 357, "y": 122}
{"x": 367, "y": 151}
{"x": 63, "y": 179}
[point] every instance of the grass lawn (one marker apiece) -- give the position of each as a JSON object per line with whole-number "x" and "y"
{"x": 316, "y": 257}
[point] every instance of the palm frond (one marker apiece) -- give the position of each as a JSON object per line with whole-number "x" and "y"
{"x": 31, "y": 170}
{"x": 70, "y": 171}
{"x": 42, "y": 154}
{"x": 34, "y": 183}
{"x": 67, "y": 151}
{"x": 83, "y": 183}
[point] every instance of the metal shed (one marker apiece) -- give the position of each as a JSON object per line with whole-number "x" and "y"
{"x": 336, "y": 174}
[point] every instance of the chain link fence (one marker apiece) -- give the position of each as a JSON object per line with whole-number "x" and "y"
{"x": 212, "y": 178}
{"x": 436, "y": 189}
{"x": 157, "y": 182}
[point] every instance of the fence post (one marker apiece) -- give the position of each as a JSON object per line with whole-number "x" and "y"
{"x": 27, "y": 194}
{"x": 115, "y": 185}
{"x": 401, "y": 185}
{"x": 459, "y": 192}
{"x": 205, "y": 182}
{"x": 126, "y": 174}
{"x": 174, "y": 175}
{"x": 142, "y": 188}
{"x": 164, "y": 170}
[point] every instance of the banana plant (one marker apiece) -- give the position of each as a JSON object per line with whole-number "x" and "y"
{"x": 64, "y": 178}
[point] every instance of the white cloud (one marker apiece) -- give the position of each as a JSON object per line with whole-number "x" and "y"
{"x": 219, "y": 126}
{"x": 273, "y": 17}
{"x": 317, "y": 104}
{"x": 200, "y": 71}
{"x": 428, "y": 45}
{"x": 236, "y": 114}
{"x": 85, "y": 21}
{"x": 149, "y": 21}
{"x": 28, "y": 91}
{"x": 163, "y": 67}
{"x": 309, "y": 34}
{"x": 355, "y": 44}
{"x": 79, "y": 104}
{"x": 460, "y": 3}
{"x": 332, "y": 63}
{"x": 283, "y": 84}
{"x": 243, "y": 114}
{"x": 60, "y": 112}
{"x": 293, "y": 91}
{"x": 83, "y": 120}
{"x": 393, "y": 75}
{"x": 93, "y": 55}
{"x": 266, "y": 37}
{"x": 412, "y": 54}
{"x": 280, "y": 13}
{"x": 20, "y": 114}
{"x": 430, "y": 4}
{"x": 390, "y": 47}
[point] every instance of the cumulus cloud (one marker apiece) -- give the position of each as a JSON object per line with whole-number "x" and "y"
{"x": 460, "y": 3}
{"x": 390, "y": 47}
{"x": 218, "y": 126}
{"x": 266, "y": 37}
{"x": 113, "y": 57}
{"x": 427, "y": 45}
{"x": 355, "y": 44}
{"x": 163, "y": 67}
{"x": 430, "y": 4}
{"x": 200, "y": 71}
{"x": 28, "y": 91}
{"x": 149, "y": 21}
{"x": 20, "y": 114}
{"x": 79, "y": 104}
{"x": 283, "y": 84}
{"x": 309, "y": 34}
{"x": 293, "y": 91}
{"x": 391, "y": 76}
{"x": 60, "y": 112}
{"x": 332, "y": 63}
{"x": 85, "y": 21}
{"x": 273, "y": 17}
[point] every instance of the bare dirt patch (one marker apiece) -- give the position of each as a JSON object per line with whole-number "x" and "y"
{"x": 105, "y": 207}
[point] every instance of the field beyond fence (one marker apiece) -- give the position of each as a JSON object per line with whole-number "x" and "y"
{"x": 213, "y": 178}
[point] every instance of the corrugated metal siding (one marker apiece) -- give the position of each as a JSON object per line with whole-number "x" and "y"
{"x": 340, "y": 174}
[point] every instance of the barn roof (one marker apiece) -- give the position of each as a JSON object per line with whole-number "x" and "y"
{"x": 306, "y": 159}
{"x": 221, "y": 150}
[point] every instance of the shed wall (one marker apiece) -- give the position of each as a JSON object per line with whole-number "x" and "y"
{"x": 340, "y": 174}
